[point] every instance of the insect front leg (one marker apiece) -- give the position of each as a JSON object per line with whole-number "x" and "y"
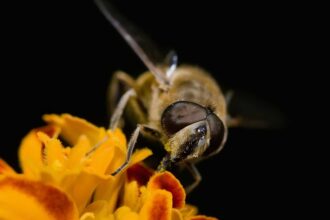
{"x": 140, "y": 129}
{"x": 130, "y": 148}
{"x": 196, "y": 176}
{"x": 115, "y": 118}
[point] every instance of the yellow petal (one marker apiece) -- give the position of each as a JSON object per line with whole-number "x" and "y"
{"x": 102, "y": 158}
{"x": 31, "y": 153}
{"x": 176, "y": 215}
{"x": 82, "y": 189}
{"x": 65, "y": 169}
{"x": 167, "y": 181}
{"x": 157, "y": 206}
{"x": 98, "y": 211}
{"x": 111, "y": 154}
{"x": 5, "y": 168}
{"x": 188, "y": 211}
{"x": 109, "y": 190}
{"x": 96, "y": 173}
{"x": 131, "y": 195}
{"x": 117, "y": 138}
{"x": 140, "y": 154}
{"x": 125, "y": 213}
{"x": 26, "y": 199}
{"x": 104, "y": 161}
{"x": 88, "y": 216}
{"x": 73, "y": 127}
{"x": 77, "y": 156}
{"x": 53, "y": 151}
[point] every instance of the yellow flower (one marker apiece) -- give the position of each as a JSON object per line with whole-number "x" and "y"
{"x": 72, "y": 182}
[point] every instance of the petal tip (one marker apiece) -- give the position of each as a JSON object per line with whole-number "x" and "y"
{"x": 167, "y": 181}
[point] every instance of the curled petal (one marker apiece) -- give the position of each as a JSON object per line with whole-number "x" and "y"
{"x": 31, "y": 151}
{"x": 73, "y": 127}
{"x": 53, "y": 152}
{"x": 167, "y": 181}
{"x": 157, "y": 206}
{"x": 26, "y": 199}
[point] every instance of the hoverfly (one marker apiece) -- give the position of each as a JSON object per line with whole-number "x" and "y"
{"x": 181, "y": 106}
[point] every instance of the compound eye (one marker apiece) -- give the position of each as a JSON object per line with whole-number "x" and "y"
{"x": 181, "y": 114}
{"x": 218, "y": 135}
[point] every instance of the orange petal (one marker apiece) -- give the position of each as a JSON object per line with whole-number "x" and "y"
{"x": 202, "y": 217}
{"x": 139, "y": 173}
{"x": 167, "y": 181}
{"x": 5, "y": 168}
{"x": 26, "y": 199}
{"x": 157, "y": 206}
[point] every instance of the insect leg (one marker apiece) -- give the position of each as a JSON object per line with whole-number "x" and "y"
{"x": 134, "y": 111}
{"x": 120, "y": 108}
{"x": 165, "y": 163}
{"x": 195, "y": 174}
{"x": 115, "y": 118}
{"x": 130, "y": 148}
{"x": 121, "y": 91}
{"x": 119, "y": 84}
{"x": 151, "y": 132}
{"x": 97, "y": 146}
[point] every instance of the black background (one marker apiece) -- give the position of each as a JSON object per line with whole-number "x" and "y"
{"x": 58, "y": 57}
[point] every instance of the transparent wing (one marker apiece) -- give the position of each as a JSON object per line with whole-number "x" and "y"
{"x": 248, "y": 111}
{"x": 162, "y": 66}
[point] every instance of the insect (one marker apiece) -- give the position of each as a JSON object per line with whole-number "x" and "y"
{"x": 182, "y": 106}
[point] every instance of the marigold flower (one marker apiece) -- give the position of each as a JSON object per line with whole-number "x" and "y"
{"x": 71, "y": 182}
